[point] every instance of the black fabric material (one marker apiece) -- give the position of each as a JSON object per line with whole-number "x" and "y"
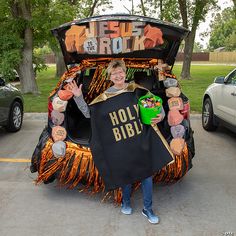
{"x": 121, "y": 159}
{"x": 141, "y": 78}
{"x": 36, "y": 157}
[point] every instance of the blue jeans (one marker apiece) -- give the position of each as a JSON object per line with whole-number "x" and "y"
{"x": 147, "y": 193}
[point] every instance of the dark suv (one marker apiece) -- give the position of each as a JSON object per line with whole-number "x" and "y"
{"x": 88, "y": 46}
{"x": 11, "y": 107}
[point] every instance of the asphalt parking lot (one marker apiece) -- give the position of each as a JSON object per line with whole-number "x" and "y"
{"x": 202, "y": 203}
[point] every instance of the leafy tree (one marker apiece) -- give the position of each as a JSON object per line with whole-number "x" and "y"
{"x": 223, "y": 30}
{"x": 77, "y": 9}
{"x": 231, "y": 41}
{"x": 197, "y": 47}
{"x": 18, "y": 31}
{"x": 188, "y": 12}
{"x": 192, "y": 13}
{"x": 26, "y": 25}
{"x": 10, "y": 43}
{"x": 234, "y": 2}
{"x": 16, "y": 46}
{"x": 59, "y": 12}
{"x": 161, "y": 9}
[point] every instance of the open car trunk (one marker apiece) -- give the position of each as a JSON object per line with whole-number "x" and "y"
{"x": 122, "y": 36}
{"x": 115, "y": 36}
{"x": 78, "y": 126}
{"x": 88, "y": 46}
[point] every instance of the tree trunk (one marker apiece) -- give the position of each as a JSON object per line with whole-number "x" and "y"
{"x": 93, "y": 8}
{"x": 188, "y": 52}
{"x": 161, "y": 10}
{"x": 60, "y": 64}
{"x": 189, "y": 41}
{"x": 22, "y": 9}
{"x": 143, "y": 8}
{"x": 234, "y": 1}
{"x": 27, "y": 76}
{"x": 185, "y": 73}
{"x": 184, "y": 13}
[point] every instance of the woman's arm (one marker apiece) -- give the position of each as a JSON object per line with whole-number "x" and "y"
{"x": 79, "y": 99}
{"x": 82, "y": 105}
{"x": 159, "y": 117}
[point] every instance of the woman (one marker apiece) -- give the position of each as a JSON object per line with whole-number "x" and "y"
{"x": 117, "y": 74}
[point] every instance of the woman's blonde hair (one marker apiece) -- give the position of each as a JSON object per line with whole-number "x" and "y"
{"x": 114, "y": 64}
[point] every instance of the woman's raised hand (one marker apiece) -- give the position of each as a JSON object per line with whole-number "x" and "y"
{"x": 77, "y": 91}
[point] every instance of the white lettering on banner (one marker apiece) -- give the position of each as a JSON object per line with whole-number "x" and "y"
{"x": 90, "y": 45}
{"x": 117, "y": 45}
{"x": 91, "y": 30}
{"x": 138, "y": 28}
{"x": 103, "y": 28}
{"x": 112, "y": 37}
{"x": 105, "y": 46}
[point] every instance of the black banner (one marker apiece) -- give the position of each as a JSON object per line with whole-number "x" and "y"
{"x": 124, "y": 150}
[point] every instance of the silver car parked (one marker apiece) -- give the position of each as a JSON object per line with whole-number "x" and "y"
{"x": 219, "y": 103}
{"x": 11, "y": 106}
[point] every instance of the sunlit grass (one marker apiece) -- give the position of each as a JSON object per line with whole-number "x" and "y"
{"x": 46, "y": 82}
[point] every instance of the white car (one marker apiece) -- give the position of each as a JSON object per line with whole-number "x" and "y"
{"x": 219, "y": 103}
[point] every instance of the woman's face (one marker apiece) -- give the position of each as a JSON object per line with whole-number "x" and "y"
{"x": 117, "y": 76}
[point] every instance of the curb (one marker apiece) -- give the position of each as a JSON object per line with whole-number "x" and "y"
{"x": 35, "y": 116}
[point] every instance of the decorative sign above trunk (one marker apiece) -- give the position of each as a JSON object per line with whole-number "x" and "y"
{"x": 112, "y": 37}
{"x": 119, "y": 36}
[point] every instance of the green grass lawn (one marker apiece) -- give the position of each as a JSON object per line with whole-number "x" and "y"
{"x": 202, "y": 76}
{"x": 46, "y": 82}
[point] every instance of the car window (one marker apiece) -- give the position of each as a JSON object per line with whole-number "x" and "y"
{"x": 232, "y": 78}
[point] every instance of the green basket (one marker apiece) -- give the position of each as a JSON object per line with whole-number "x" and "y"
{"x": 146, "y": 114}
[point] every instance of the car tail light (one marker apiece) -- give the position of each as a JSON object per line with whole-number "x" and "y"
{"x": 186, "y": 111}
{"x": 50, "y": 108}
